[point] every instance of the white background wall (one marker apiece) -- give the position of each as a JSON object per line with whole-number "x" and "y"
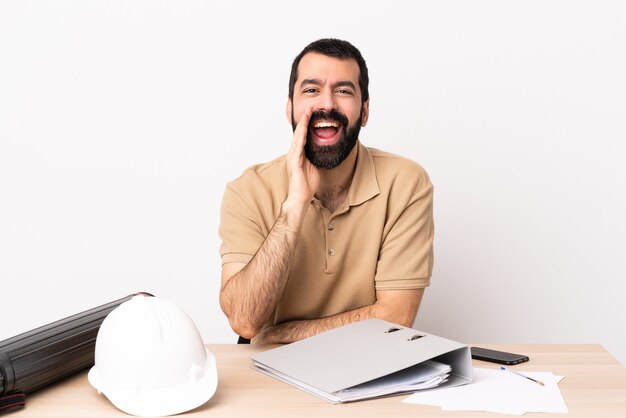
{"x": 121, "y": 121}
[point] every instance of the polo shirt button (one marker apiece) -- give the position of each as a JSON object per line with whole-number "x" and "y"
{"x": 331, "y": 252}
{"x": 331, "y": 227}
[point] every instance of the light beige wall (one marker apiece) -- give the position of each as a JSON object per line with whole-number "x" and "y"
{"x": 120, "y": 123}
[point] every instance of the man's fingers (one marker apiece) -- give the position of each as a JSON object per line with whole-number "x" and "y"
{"x": 299, "y": 134}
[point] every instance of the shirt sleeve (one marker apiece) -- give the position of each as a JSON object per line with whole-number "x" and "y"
{"x": 240, "y": 229}
{"x": 406, "y": 254}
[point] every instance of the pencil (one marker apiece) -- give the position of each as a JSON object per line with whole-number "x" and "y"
{"x": 522, "y": 375}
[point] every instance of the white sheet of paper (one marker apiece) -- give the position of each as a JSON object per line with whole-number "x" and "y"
{"x": 498, "y": 391}
{"x": 426, "y": 375}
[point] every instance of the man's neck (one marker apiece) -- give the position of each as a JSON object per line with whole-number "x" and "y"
{"x": 335, "y": 183}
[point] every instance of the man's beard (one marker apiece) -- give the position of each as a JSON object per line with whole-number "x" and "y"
{"x": 330, "y": 156}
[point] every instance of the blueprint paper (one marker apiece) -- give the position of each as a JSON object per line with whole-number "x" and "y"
{"x": 498, "y": 391}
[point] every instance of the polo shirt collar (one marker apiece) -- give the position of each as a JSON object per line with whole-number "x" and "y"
{"x": 364, "y": 183}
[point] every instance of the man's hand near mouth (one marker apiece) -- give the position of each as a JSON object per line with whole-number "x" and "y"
{"x": 304, "y": 177}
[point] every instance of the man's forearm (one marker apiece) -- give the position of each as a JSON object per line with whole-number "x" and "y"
{"x": 250, "y": 296}
{"x": 398, "y": 306}
{"x": 297, "y": 330}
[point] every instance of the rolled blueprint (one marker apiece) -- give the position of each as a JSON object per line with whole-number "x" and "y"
{"x": 39, "y": 357}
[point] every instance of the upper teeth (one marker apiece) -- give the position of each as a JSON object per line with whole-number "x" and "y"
{"x": 326, "y": 125}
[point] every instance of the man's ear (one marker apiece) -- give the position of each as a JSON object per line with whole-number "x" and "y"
{"x": 365, "y": 113}
{"x": 289, "y": 110}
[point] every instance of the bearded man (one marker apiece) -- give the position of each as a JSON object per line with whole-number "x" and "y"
{"x": 333, "y": 232}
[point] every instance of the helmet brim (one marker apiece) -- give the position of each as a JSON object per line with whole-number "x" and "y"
{"x": 168, "y": 400}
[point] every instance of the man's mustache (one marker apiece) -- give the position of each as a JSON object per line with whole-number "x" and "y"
{"x": 333, "y": 115}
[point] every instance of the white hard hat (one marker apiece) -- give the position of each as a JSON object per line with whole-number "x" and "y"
{"x": 150, "y": 359}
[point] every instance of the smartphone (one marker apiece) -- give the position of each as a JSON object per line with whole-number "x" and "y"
{"x": 495, "y": 356}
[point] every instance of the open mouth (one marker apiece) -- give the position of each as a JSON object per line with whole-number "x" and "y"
{"x": 326, "y": 132}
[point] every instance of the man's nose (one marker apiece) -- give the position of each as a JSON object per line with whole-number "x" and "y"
{"x": 326, "y": 101}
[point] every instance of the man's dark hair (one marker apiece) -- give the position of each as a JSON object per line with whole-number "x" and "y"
{"x": 335, "y": 48}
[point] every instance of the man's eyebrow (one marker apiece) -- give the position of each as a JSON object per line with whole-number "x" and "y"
{"x": 345, "y": 84}
{"x": 317, "y": 82}
{"x": 313, "y": 81}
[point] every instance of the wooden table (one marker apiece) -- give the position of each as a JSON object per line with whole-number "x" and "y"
{"x": 594, "y": 386}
